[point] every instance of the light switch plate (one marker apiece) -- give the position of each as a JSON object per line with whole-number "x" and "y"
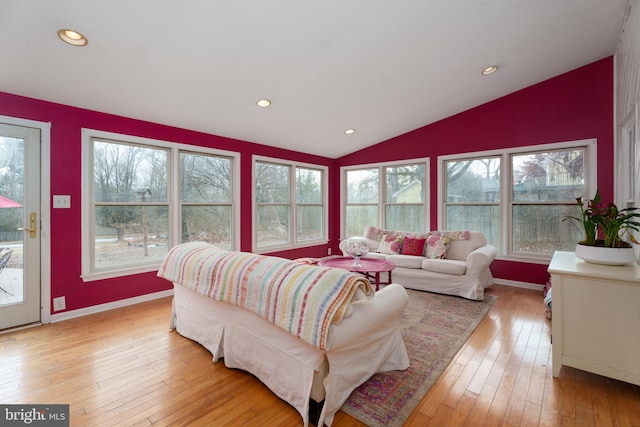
{"x": 61, "y": 201}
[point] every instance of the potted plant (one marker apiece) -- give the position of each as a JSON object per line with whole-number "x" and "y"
{"x": 605, "y": 226}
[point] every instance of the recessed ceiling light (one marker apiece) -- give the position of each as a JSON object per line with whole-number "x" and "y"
{"x": 490, "y": 70}
{"x": 73, "y": 38}
{"x": 263, "y": 103}
{"x": 349, "y": 131}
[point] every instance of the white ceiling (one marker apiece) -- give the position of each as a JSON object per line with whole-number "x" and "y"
{"x": 381, "y": 67}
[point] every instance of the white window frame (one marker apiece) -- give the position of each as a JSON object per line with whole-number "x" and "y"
{"x": 590, "y": 146}
{"x": 294, "y": 244}
{"x": 627, "y": 155}
{"x": 383, "y": 189}
{"x": 89, "y": 272}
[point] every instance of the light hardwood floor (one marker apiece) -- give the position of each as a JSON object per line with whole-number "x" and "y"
{"x": 124, "y": 367}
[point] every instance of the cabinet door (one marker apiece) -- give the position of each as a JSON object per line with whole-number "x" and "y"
{"x": 601, "y": 326}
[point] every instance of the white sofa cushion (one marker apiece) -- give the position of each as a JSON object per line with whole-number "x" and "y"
{"x": 407, "y": 261}
{"x": 448, "y": 266}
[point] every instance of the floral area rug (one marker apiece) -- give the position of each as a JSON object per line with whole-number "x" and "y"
{"x": 434, "y": 328}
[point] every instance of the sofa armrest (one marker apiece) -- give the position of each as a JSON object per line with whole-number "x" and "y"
{"x": 480, "y": 259}
{"x": 343, "y": 246}
{"x": 370, "y": 315}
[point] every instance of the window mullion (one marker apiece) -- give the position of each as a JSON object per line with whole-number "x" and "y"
{"x": 293, "y": 206}
{"x": 173, "y": 197}
{"x": 506, "y": 208}
{"x": 382, "y": 195}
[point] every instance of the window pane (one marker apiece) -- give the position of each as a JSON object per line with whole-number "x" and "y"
{"x": 358, "y": 217}
{"x": 539, "y": 229}
{"x": 484, "y": 218}
{"x": 205, "y": 178}
{"x": 470, "y": 181}
{"x": 273, "y": 225}
{"x": 212, "y": 224}
{"x": 11, "y": 187}
{"x": 405, "y": 218}
{"x": 130, "y": 234}
{"x": 309, "y": 222}
{"x": 128, "y": 173}
{"x": 363, "y": 186}
{"x": 548, "y": 176}
{"x": 404, "y": 184}
{"x": 272, "y": 183}
{"x": 308, "y": 186}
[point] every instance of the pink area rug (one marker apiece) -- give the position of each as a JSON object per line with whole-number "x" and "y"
{"x": 434, "y": 328}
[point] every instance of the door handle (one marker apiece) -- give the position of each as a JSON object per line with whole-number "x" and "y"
{"x": 32, "y": 225}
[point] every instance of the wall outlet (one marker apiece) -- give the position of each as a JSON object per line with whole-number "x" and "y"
{"x": 328, "y": 251}
{"x": 59, "y": 303}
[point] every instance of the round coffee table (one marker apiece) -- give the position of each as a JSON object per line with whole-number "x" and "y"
{"x": 369, "y": 267}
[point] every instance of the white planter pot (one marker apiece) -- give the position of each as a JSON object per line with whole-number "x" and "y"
{"x": 605, "y": 256}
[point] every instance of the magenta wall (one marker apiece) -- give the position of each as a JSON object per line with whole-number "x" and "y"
{"x": 66, "y": 123}
{"x": 573, "y": 106}
{"x": 576, "y": 105}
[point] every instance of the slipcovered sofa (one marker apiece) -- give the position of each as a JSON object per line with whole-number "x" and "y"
{"x": 446, "y": 262}
{"x": 311, "y": 334}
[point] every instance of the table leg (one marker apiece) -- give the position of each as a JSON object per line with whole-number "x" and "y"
{"x": 377, "y": 281}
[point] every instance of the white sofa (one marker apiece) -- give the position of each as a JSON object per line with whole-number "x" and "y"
{"x": 464, "y": 270}
{"x": 366, "y": 341}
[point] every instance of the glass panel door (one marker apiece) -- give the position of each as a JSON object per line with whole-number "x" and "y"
{"x": 19, "y": 225}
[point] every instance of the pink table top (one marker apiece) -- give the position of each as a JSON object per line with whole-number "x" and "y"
{"x": 368, "y": 265}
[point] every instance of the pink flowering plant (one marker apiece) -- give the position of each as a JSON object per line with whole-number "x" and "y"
{"x": 605, "y": 225}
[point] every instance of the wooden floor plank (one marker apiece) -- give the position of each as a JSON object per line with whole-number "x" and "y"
{"x": 125, "y": 367}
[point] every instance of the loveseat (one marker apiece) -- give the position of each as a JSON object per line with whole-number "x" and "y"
{"x": 446, "y": 262}
{"x": 311, "y": 334}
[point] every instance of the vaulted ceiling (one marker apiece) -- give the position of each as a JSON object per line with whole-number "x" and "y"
{"x": 379, "y": 67}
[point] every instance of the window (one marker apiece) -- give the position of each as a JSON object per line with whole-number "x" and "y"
{"x": 130, "y": 204}
{"x": 144, "y": 196}
{"x": 206, "y": 198}
{"x": 290, "y": 204}
{"x": 392, "y": 196}
{"x": 519, "y": 197}
{"x": 473, "y": 196}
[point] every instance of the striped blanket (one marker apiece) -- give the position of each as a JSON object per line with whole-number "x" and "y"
{"x": 299, "y": 298}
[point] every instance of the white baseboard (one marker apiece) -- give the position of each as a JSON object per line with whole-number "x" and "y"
{"x": 517, "y": 284}
{"x": 149, "y": 297}
{"x": 109, "y": 306}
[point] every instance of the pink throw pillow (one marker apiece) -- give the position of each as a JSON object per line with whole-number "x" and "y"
{"x": 411, "y": 246}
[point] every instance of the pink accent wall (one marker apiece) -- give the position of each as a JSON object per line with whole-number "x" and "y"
{"x": 573, "y": 106}
{"x": 66, "y": 123}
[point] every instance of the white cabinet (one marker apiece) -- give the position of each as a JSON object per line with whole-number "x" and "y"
{"x": 596, "y": 317}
